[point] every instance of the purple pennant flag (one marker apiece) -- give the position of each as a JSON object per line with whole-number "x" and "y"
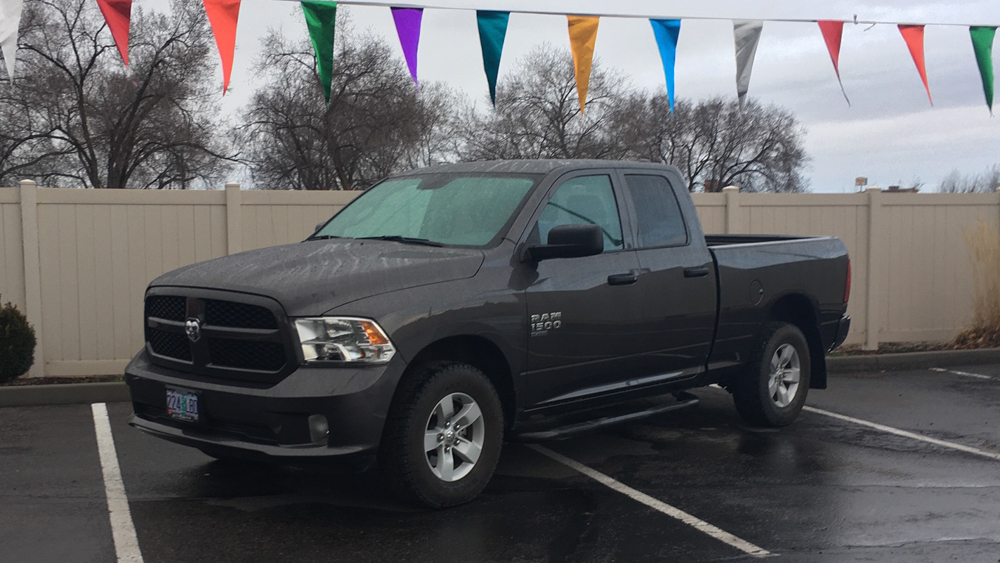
{"x": 408, "y": 28}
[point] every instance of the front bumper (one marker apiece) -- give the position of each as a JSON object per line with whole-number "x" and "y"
{"x": 270, "y": 423}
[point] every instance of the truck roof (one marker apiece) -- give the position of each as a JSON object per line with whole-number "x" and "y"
{"x": 541, "y": 166}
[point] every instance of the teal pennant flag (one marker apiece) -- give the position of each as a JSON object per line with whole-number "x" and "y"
{"x": 667, "y": 33}
{"x": 492, "y": 32}
{"x": 982, "y": 42}
{"x": 321, "y": 19}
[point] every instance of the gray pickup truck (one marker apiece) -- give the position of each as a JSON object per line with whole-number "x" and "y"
{"x": 448, "y": 309}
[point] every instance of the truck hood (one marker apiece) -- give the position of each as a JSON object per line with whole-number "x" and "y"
{"x": 312, "y": 277}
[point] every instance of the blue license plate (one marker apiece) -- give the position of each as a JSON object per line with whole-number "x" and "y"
{"x": 182, "y": 405}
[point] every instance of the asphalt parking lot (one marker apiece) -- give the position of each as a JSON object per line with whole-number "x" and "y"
{"x": 898, "y": 466}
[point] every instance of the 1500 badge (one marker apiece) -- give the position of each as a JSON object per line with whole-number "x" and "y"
{"x": 543, "y": 323}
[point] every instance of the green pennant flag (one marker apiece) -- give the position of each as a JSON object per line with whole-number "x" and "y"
{"x": 492, "y": 31}
{"x": 321, "y": 18}
{"x": 982, "y": 42}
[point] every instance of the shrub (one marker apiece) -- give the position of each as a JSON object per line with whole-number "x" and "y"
{"x": 17, "y": 343}
{"x": 984, "y": 248}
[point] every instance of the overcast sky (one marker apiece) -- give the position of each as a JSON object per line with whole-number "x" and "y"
{"x": 891, "y": 134}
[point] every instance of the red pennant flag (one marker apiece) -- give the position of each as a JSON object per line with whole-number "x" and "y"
{"x": 223, "y": 14}
{"x": 914, "y": 37}
{"x": 118, "y": 14}
{"x": 833, "y": 32}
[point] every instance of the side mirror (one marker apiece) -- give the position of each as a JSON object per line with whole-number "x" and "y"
{"x": 319, "y": 226}
{"x": 568, "y": 241}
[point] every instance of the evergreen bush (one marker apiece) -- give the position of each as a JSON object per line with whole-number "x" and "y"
{"x": 17, "y": 343}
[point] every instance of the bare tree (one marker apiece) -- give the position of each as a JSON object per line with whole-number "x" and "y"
{"x": 957, "y": 183}
{"x": 715, "y": 143}
{"x": 77, "y": 114}
{"x": 376, "y": 122}
{"x": 538, "y": 113}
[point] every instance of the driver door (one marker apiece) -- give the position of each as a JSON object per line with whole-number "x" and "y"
{"x": 584, "y": 313}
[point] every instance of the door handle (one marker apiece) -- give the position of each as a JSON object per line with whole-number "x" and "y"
{"x": 623, "y": 279}
{"x": 695, "y": 272}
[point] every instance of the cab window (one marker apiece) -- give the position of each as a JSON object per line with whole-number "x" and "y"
{"x": 658, "y": 215}
{"x": 584, "y": 200}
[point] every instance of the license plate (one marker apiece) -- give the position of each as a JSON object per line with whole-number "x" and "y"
{"x": 182, "y": 405}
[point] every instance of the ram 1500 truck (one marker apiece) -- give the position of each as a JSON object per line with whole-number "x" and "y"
{"x": 448, "y": 309}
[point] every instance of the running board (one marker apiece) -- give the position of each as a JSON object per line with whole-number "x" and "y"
{"x": 684, "y": 401}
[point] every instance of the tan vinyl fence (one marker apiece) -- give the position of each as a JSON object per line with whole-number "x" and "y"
{"x": 78, "y": 261}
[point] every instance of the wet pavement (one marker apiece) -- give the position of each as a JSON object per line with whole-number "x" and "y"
{"x": 822, "y": 489}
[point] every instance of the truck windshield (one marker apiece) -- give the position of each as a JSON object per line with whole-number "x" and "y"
{"x": 451, "y": 209}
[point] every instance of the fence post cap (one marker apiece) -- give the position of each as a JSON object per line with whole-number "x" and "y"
{"x": 730, "y": 189}
{"x": 28, "y": 184}
{"x": 873, "y": 189}
{"x": 232, "y": 185}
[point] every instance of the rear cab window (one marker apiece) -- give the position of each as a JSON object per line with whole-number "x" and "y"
{"x": 659, "y": 221}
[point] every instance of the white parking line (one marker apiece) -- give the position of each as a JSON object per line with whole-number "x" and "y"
{"x": 122, "y": 528}
{"x": 721, "y": 535}
{"x": 905, "y": 434}
{"x": 965, "y": 373}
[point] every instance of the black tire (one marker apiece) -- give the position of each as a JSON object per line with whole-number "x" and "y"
{"x": 783, "y": 352}
{"x": 446, "y": 475}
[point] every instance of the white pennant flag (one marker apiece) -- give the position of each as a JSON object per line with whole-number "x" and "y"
{"x": 747, "y": 35}
{"x": 10, "y": 18}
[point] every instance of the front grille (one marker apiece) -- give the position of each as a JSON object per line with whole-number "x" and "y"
{"x": 167, "y": 307}
{"x": 246, "y": 354}
{"x": 240, "y": 338}
{"x": 169, "y": 344}
{"x": 238, "y": 315}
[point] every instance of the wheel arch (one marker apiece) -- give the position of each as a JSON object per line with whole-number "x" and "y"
{"x": 480, "y": 353}
{"x": 799, "y": 310}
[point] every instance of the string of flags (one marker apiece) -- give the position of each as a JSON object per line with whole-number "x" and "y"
{"x": 320, "y": 15}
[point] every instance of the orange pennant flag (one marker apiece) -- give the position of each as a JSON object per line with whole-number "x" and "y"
{"x": 914, "y": 37}
{"x": 223, "y": 14}
{"x": 582, "y": 38}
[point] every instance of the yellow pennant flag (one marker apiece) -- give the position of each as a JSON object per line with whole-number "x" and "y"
{"x": 582, "y": 37}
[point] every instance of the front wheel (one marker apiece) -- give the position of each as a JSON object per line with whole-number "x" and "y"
{"x": 775, "y": 391}
{"x": 443, "y": 436}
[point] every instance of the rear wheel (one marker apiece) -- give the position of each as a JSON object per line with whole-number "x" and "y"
{"x": 443, "y": 436}
{"x": 775, "y": 392}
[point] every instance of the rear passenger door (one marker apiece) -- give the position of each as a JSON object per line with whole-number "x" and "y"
{"x": 677, "y": 281}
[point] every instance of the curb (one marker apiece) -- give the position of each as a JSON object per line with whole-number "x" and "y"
{"x": 63, "y": 394}
{"x": 86, "y": 393}
{"x": 912, "y": 360}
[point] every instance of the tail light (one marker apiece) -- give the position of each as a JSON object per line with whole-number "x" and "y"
{"x": 847, "y": 290}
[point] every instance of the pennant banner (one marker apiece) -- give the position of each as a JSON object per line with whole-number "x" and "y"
{"x": 10, "y": 18}
{"x": 667, "y": 33}
{"x": 222, "y": 15}
{"x": 833, "y": 33}
{"x": 118, "y": 14}
{"x": 914, "y": 37}
{"x": 408, "y": 28}
{"x": 492, "y": 32}
{"x": 321, "y": 19}
{"x": 747, "y": 35}
{"x": 982, "y": 43}
{"x": 582, "y": 39}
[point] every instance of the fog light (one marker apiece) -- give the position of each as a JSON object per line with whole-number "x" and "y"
{"x": 319, "y": 428}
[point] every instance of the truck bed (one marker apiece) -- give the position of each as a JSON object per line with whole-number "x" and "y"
{"x": 727, "y": 240}
{"x": 799, "y": 276}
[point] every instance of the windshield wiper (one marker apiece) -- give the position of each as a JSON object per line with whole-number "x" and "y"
{"x": 323, "y": 237}
{"x": 404, "y": 240}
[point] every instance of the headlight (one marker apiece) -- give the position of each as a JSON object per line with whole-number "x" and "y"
{"x": 343, "y": 339}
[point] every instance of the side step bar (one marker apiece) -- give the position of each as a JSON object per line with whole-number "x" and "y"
{"x": 684, "y": 400}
